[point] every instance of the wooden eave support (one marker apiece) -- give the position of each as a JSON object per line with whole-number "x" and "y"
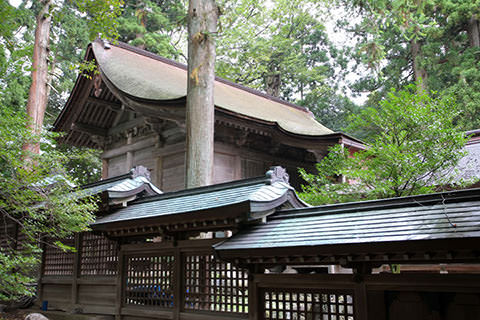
{"x": 172, "y": 228}
{"x": 89, "y": 129}
{"x": 353, "y": 260}
{"x": 112, "y": 105}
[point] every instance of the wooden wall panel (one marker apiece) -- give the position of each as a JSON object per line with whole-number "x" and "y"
{"x": 224, "y": 167}
{"x": 96, "y": 294}
{"x": 116, "y": 166}
{"x": 58, "y": 295}
{"x": 146, "y": 158}
{"x": 253, "y": 168}
{"x": 173, "y": 177}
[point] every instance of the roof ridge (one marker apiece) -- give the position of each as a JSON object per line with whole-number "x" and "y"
{"x": 177, "y": 64}
{"x": 415, "y": 200}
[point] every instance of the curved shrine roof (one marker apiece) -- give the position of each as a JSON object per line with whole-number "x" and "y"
{"x": 145, "y": 76}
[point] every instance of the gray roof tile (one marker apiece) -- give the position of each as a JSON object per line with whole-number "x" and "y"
{"x": 347, "y": 224}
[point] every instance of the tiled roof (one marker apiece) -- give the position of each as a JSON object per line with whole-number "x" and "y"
{"x": 439, "y": 216}
{"x": 121, "y": 187}
{"x": 260, "y": 194}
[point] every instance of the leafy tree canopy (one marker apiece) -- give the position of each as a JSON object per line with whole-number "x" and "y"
{"x": 415, "y": 146}
{"x": 34, "y": 199}
{"x": 34, "y": 188}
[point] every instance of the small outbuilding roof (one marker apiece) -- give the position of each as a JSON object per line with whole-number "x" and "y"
{"x": 122, "y": 188}
{"x": 256, "y": 197}
{"x": 450, "y": 215}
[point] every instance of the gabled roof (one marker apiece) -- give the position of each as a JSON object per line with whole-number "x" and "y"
{"x": 427, "y": 217}
{"x": 256, "y": 197}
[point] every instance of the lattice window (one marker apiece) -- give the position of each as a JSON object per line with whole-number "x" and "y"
{"x": 212, "y": 285}
{"x": 99, "y": 256}
{"x": 307, "y": 305}
{"x": 58, "y": 262}
{"x": 150, "y": 281}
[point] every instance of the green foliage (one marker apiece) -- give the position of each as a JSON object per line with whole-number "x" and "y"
{"x": 415, "y": 147}
{"x": 156, "y": 26}
{"x": 284, "y": 42}
{"x": 33, "y": 193}
{"x": 448, "y": 59}
{"x": 101, "y": 16}
{"x": 36, "y": 199}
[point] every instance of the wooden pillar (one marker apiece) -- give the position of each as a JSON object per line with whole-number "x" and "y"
{"x": 76, "y": 267}
{"x": 360, "y": 301}
{"x": 120, "y": 284}
{"x": 40, "y": 276}
{"x": 200, "y": 111}
{"x": 104, "y": 168}
{"x": 255, "y": 300}
{"x": 178, "y": 284}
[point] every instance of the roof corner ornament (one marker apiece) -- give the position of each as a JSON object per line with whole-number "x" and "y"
{"x": 278, "y": 174}
{"x": 140, "y": 171}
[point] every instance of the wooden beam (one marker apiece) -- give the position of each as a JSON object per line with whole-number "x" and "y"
{"x": 142, "y": 144}
{"x": 89, "y": 129}
{"x": 112, "y": 105}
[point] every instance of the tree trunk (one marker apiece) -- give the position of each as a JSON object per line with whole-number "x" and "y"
{"x": 38, "y": 94}
{"x": 420, "y": 73}
{"x": 473, "y": 30}
{"x": 273, "y": 81}
{"x": 141, "y": 13}
{"x": 202, "y": 25}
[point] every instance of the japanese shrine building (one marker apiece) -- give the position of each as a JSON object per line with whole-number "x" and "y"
{"x": 246, "y": 247}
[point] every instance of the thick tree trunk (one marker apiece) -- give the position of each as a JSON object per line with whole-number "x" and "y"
{"x": 38, "y": 94}
{"x": 202, "y": 25}
{"x": 420, "y": 73}
{"x": 473, "y": 30}
{"x": 273, "y": 82}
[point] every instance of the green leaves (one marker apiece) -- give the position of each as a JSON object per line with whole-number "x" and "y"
{"x": 35, "y": 199}
{"x": 415, "y": 146}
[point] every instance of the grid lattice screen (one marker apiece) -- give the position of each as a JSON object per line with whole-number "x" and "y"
{"x": 99, "y": 256}
{"x": 307, "y": 305}
{"x": 150, "y": 281}
{"x": 212, "y": 285}
{"x": 58, "y": 262}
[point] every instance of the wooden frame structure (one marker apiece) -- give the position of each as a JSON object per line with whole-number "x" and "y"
{"x": 151, "y": 260}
